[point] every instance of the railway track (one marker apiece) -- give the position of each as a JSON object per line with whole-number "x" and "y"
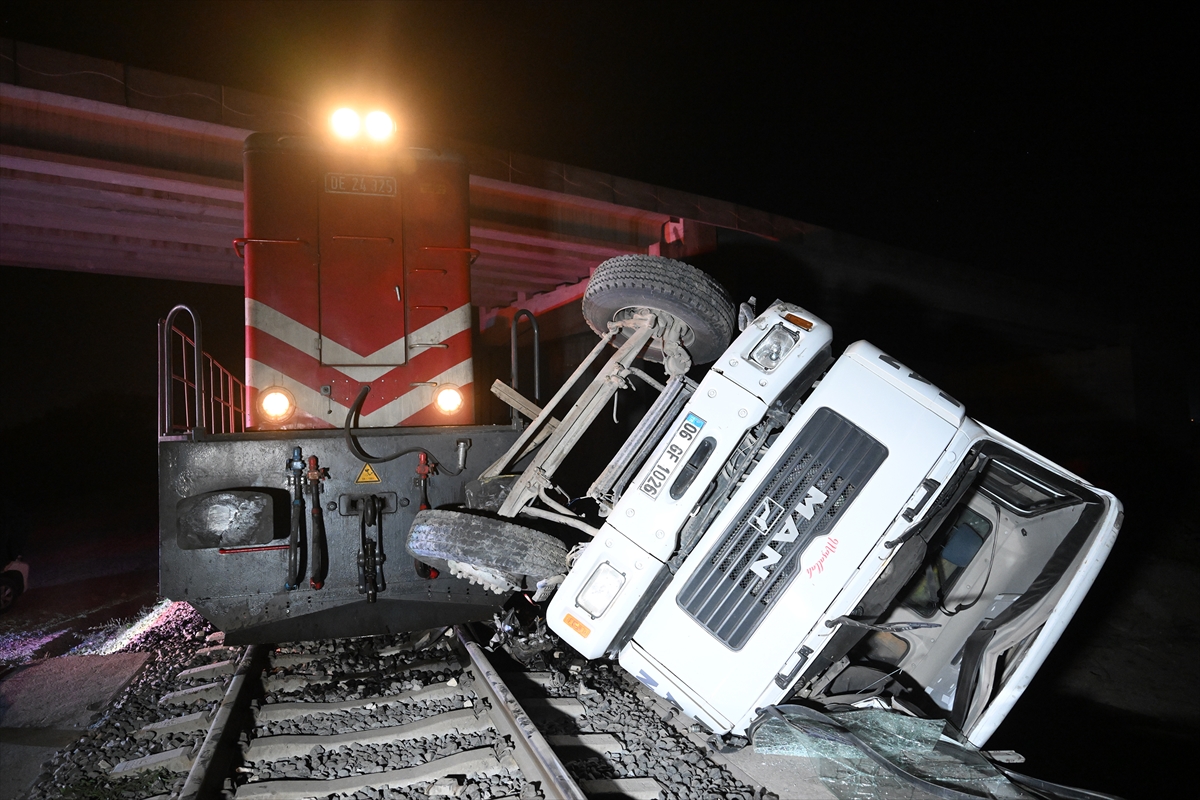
{"x": 409, "y": 716}
{"x": 416, "y": 716}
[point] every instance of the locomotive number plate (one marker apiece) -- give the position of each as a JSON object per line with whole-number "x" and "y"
{"x": 346, "y": 183}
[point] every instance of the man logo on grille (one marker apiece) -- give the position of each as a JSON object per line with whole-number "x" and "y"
{"x": 763, "y": 520}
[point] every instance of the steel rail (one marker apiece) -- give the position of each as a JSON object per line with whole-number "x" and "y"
{"x": 217, "y": 743}
{"x": 533, "y": 753}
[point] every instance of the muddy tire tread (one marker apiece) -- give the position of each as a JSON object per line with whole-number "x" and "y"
{"x": 673, "y": 286}
{"x": 442, "y": 535}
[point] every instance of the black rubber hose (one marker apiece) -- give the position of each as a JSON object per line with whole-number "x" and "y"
{"x": 379, "y": 554}
{"x": 294, "y": 565}
{"x": 364, "y": 456}
{"x": 319, "y": 545}
{"x": 362, "y": 547}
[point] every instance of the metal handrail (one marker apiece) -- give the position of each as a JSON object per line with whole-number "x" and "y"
{"x": 537, "y": 357}
{"x": 217, "y": 398}
{"x": 166, "y": 373}
{"x": 226, "y": 397}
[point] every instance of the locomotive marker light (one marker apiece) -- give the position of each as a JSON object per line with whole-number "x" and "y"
{"x": 447, "y": 398}
{"x": 277, "y": 404}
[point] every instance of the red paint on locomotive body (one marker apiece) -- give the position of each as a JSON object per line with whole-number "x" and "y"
{"x": 357, "y": 272}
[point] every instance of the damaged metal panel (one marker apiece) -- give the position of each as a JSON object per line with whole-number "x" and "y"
{"x": 232, "y": 518}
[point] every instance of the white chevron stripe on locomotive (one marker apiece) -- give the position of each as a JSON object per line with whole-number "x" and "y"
{"x": 361, "y": 368}
{"x": 388, "y": 415}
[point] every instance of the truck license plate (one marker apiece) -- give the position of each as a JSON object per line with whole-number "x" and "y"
{"x": 346, "y": 183}
{"x": 672, "y": 457}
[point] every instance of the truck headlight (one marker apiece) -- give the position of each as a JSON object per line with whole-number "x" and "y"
{"x": 599, "y": 590}
{"x": 773, "y": 348}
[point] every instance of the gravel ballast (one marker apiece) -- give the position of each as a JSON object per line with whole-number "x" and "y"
{"x": 81, "y": 770}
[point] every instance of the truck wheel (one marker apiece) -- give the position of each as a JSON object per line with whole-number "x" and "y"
{"x": 625, "y": 283}
{"x": 495, "y": 553}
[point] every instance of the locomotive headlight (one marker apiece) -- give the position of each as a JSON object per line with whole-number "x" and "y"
{"x": 345, "y": 123}
{"x": 599, "y": 590}
{"x": 380, "y": 126}
{"x": 448, "y": 398}
{"x": 276, "y": 403}
{"x": 773, "y": 348}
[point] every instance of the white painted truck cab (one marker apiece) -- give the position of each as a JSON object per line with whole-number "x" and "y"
{"x": 838, "y": 536}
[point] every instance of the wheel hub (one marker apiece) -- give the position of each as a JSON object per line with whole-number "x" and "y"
{"x": 672, "y": 338}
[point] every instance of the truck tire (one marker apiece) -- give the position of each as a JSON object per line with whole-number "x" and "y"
{"x": 439, "y": 537}
{"x": 624, "y": 283}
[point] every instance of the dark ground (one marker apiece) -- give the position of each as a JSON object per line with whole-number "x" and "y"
{"x": 87, "y": 569}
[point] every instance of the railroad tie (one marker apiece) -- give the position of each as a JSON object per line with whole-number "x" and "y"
{"x": 274, "y": 748}
{"x": 218, "y": 650}
{"x": 595, "y": 743}
{"x": 629, "y": 788}
{"x": 188, "y": 723}
{"x": 177, "y": 760}
{"x": 216, "y": 670}
{"x": 292, "y": 659}
{"x": 546, "y": 680}
{"x": 480, "y": 760}
{"x": 196, "y": 694}
{"x": 541, "y": 708}
{"x": 280, "y": 711}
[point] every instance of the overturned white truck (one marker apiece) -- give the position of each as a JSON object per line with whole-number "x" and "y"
{"x": 790, "y": 527}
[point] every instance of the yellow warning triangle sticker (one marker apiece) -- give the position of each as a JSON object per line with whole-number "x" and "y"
{"x": 367, "y": 475}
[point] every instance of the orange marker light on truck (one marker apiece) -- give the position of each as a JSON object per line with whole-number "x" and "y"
{"x": 577, "y": 626}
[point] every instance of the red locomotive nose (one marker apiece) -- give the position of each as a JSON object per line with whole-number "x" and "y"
{"x": 357, "y": 274}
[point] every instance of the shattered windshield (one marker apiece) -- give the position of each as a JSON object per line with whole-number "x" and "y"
{"x": 884, "y": 755}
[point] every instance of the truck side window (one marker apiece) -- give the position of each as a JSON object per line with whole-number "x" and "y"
{"x": 949, "y": 553}
{"x": 1023, "y": 493}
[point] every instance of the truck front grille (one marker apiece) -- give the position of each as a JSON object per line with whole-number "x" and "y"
{"x": 760, "y": 553}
